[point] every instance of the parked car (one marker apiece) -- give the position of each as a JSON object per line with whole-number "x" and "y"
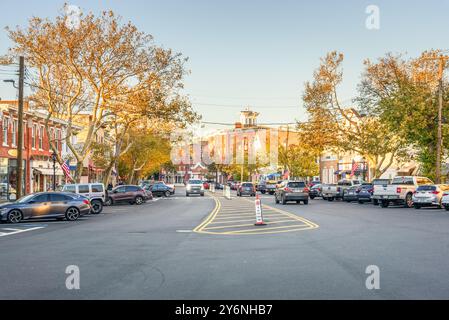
{"x": 429, "y": 196}
{"x": 325, "y": 187}
{"x": 246, "y": 188}
{"x": 194, "y": 187}
{"x": 400, "y": 191}
{"x": 171, "y": 187}
{"x": 218, "y": 186}
{"x": 261, "y": 186}
{"x": 332, "y": 191}
{"x": 315, "y": 191}
{"x": 160, "y": 190}
{"x": 57, "y": 205}
{"x": 364, "y": 192}
{"x": 95, "y": 192}
{"x": 378, "y": 182}
{"x": 127, "y": 193}
{"x": 445, "y": 200}
{"x": 271, "y": 186}
{"x": 314, "y": 183}
{"x": 292, "y": 191}
{"x": 350, "y": 194}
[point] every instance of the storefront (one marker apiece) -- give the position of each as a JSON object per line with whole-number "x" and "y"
{"x": 8, "y": 175}
{"x": 42, "y": 178}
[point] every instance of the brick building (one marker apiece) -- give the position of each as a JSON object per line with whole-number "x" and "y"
{"x": 37, "y": 164}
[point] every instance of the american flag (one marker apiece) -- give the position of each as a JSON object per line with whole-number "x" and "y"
{"x": 355, "y": 166}
{"x": 65, "y": 167}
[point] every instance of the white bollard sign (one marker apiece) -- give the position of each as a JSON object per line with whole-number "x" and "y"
{"x": 259, "y": 215}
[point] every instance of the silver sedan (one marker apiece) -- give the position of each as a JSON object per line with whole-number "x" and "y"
{"x": 49, "y": 205}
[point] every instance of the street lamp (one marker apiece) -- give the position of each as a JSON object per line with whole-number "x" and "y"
{"x": 54, "y": 158}
{"x": 11, "y": 81}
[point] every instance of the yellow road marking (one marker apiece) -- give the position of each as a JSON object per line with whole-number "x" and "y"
{"x": 226, "y": 213}
{"x": 247, "y": 225}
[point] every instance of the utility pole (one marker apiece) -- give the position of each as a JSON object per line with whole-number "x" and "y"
{"x": 442, "y": 60}
{"x": 20, "y": 130}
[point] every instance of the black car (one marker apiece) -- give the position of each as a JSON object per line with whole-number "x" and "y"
{"x": 350, "y": 194}
{"x": 315, "y": 191}
{"x": 364, "y": 193}
{"x": 262, "y": 187}
{"x": 218, "y": 186}
{"x": 160, "y": 190}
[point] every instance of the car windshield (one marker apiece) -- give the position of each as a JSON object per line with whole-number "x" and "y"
{"x": 426, "y": 188}
{"x": 195, "y": 182}
{"x": 296, "y": 184}
{"x": 381, "y": 182}
{"x": 247, "y": 185}
{"x": 25, "y": 199}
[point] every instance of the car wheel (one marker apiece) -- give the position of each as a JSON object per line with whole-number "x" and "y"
{"x": 138, "y": 200}
{"x": 284, "y": 202}
{"x": 360, "y": 202}
{"x": 109, "y": 202}
{"x": 324, "y": 198}
{"x": 167, "y": 194}
{"x": 446, "y": 208}
{"x": 15, "y": 216}
{"x": 384, "y": 204}
{"x": 330, "y": 199}
{"x": 276, "y": 200}
{"x": 202, "y": 194}
{"x": 375, "y": 202}
{"x": 306, "y": 202}
{"x": 72, "y": 214}
{"x": 312, "y": 197}
{"x": 408, "y": 201}
{"x": 417, "y": 206}
{"x": 97, "y": 206}
{"x": 187, "y": 194}
{"x": 263, "y": 192}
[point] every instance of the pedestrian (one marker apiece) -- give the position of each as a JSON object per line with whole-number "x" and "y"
{"x": 109, "y": 186}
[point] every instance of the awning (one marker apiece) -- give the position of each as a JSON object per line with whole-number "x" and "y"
{"x": 49, "y": 172}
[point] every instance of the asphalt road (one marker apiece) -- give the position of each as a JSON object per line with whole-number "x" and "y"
{"x": 150, "y": 252}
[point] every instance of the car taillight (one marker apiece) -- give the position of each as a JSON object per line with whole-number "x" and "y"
{"x": 414, "y": 192}
{"x": 288, "y": 189}
{"x": 85, "y": 201}
{"x": 319, "y": 189}
{"x": 398, "y": 190}
{"x": 435, "y": 192}
{"x": 306, "y": 189}
{"x": 358, "y": 190}
{"x": 445, "y": 194}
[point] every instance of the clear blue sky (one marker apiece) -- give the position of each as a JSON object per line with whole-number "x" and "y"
{"x": 260, "y": 53}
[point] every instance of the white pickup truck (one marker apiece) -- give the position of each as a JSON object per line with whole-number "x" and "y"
{"x": 399, "y": 192}
{"x": 335, "y": 191}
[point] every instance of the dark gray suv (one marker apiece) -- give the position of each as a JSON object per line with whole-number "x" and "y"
{"x": 292, "y": 191}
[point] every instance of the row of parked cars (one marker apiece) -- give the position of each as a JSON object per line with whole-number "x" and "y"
{"x": 76, "y": 200}
{"x": 408, "y": 191}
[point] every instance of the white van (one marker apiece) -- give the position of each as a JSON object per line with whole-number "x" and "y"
{"x": 95, "y": 192}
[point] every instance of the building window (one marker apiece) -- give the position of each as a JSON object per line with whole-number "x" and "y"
{"x": 33, "y": 136}
{"x": 14, "y": 133}
{"x": 5, "y": 130}
{"x": 41, "y": 138}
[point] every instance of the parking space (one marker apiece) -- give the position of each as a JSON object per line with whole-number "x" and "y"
{"x": 237, "y": 217}
{"x": 12, "y": 229}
